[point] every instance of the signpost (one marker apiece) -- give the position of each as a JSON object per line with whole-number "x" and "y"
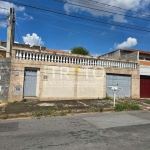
{"x": 114, "y": 89}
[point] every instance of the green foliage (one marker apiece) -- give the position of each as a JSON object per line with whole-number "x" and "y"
{"x": 5, "y": 117}
{"x": 126, "y": 106}
{"x": 42, "y": 112}
{"x": 80, "y": 50}
{"x": 61, "y": 113}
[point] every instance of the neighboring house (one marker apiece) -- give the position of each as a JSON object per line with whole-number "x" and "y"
{"x": 57, "y": 75}
{"x": 5, "y": 65}
{"x": 143, "y": 57}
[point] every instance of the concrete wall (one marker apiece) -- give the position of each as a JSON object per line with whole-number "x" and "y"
{"x": 145, "y": 70}
{"x": 134, "y": 56}
{"x": 75, "y": 83}
{"x": 4, "y": 78}
{"x": 113, "y": 55}
{"x": 65, "y": 81}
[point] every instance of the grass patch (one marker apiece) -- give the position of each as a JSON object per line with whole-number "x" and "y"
{"x": 96, "y": 109}
{"x": 5, "y": 117}
{"x": 126, "y": 106}
{"x": 147, "y": 101}
{"x": 42, "y": 112}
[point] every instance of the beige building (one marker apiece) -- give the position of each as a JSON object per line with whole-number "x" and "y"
{"x": 56, "y": 75}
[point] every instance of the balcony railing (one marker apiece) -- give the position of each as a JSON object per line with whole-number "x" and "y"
{"x": 58, "y": 58}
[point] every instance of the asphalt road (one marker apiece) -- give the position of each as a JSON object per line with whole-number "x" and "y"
{"x": 101, "y": 131}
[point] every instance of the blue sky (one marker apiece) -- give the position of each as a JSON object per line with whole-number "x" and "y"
{"x": 63, "y": 32}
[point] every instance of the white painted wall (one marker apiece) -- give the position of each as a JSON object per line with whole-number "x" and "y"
{"x": 145, "y": 70}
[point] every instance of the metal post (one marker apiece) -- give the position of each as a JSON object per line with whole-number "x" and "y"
{"x": 114, "y": 98}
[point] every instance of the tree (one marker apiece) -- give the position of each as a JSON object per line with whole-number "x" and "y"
{"x": 80, "y": 50}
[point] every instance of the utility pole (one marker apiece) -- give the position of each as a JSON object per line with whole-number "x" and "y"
{"x": 10, "y": 32}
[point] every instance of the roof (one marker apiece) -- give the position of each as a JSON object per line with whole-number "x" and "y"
{"x": 129, "y": 50}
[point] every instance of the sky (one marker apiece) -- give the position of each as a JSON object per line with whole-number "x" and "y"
{"x": 97, "y": 25}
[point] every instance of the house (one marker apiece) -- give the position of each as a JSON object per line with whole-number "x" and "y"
{"x": 143, "y": 57}
{"x": 44, "y": 74}
{"x": 40, "y": 73}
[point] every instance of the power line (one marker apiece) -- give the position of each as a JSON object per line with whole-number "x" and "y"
{"x": 81, "y": 31}
{"x": 83, "y": 23}
{"x": 3, "y": 21}
{"x": 18, "y": 32}
{"x": 145, "y": 14}
{"x": 80, "y": 17}
{"x": 110, "y": 12}
{"x": 3, "y": 8}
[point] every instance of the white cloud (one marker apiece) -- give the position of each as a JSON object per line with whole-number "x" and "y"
{"x": 33, "y": 39}
{"x": 126, "y": 4}
{"x": 7, "y": 6}
{"x": 6, "y": 9}
{"x": 127, "y": 44}
{"x": 118, "y": 18}
{"x": 27, "y": 16}
{"x": 112, "y": 28}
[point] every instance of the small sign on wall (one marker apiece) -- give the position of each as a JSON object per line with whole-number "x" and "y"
{"x": 16, "y": 73}
{"x": 17, "y": 90}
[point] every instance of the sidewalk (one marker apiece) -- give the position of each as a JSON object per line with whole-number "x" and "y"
{"x": 60, "y": 108}
{"x": 37, "y": 108}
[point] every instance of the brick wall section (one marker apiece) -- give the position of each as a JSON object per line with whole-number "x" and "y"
{"x": 5, "y": 64}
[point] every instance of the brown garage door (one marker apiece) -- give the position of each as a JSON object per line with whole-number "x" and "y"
{"x": 145, "y": 86}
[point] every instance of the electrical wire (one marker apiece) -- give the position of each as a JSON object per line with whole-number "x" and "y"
{"x": 93, "y": 32}
{"x": 129, "y": 10}
{"x": 82, "y": 23}
{"x": 18, "y": 32}
{"x": 4, "y": 20}
{"x": 110, "y": 12}
{"x": 80, "y": 17}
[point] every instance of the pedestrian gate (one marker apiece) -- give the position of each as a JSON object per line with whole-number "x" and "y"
{"x": 30, "y": 82}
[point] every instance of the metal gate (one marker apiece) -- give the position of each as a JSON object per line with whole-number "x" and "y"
{"x": 123, "y": 81}
{"x": 30, "y": 82}
{"x": 144, "y": 86}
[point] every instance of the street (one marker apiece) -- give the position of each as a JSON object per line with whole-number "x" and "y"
{"x": 99, "y": 131}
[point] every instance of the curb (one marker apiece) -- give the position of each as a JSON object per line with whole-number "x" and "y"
{"x": 73, "y": 112}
